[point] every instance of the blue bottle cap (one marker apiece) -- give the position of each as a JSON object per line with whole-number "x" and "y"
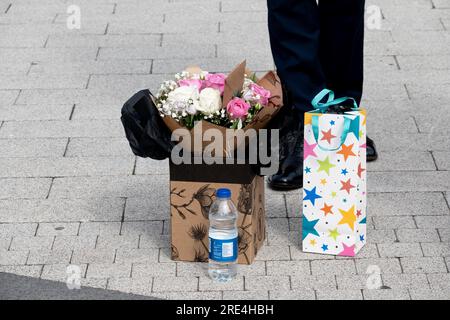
{"x": 223, "y": 193}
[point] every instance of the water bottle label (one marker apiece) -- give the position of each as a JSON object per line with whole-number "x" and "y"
{"x": 223, "y": 250}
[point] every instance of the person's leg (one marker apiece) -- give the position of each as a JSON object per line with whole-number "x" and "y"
{"x": 294, "y": 36}
{"x": 294, "y": 29}
{"x": 341, "y": 48}
{"x": 342, "y": 51}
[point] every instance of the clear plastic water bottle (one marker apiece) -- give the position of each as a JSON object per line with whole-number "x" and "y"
{"x": 223, "y": 237}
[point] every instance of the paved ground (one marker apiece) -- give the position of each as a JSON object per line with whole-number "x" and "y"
{"x": 71, "y": 192}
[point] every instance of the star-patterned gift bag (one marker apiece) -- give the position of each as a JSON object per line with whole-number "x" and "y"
{"x": 334, "y": 180}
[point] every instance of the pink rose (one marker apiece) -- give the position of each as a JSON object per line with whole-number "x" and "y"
{"x": 191, "y": 83}
{"x": 264, "y": 95}
{"x": 238, "y": 108}
{"x": 215, "y": 81}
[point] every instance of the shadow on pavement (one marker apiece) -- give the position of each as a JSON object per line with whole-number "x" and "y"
{"x": 15, "y": 287}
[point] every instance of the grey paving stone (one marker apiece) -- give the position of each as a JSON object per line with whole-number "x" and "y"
{"x": 154, "y": 52}
{"x": 441, "y": 4}
{"x": 137, "y": 255}
{"x": 129, "y": 285}
{"x": 424, "y": 62}
{"x": 394, "y": 161}
{"x": 189, "y": 269}
{"x": 292, "y": 238}
{"x": 287, "y": 267}
{"x": 433, "y": 222}
{"x": 150, "y": 166}
{"x": 148, "y": 208}
{"x": 418, "y": 141}
{"x": 390, "y": 250}
{"x": 32, "y": 188}
{"x": 113, "y": 186}
{"x": 421, "y": 235}
{"x": 154, "y": 241}
{"x": 89, "y": 112}
{"x": 259, "y": 283}
{"x": 89, "y": 147}
{"x": 142, "y": 227}
{"x": 405, "y": 281}
{"x": 307, "y": 294}
{"x": 128, "y": 83}
{"x": 104, "y": 41}
{"x": 142, "y": 270}
{"x": 27, "y": 271}
{"x": 102, "y": 256}
{"x": 423, "y": 265}
{"x": 108, "y": 270}
{"x": 277, "y": 225}
{"x": 37, "y": 81}
{"x": 117, "y": 241}
{"x": 293, "y": 204}
{"x": 74, "y": 242}
{"x": 61, "y": 128}
{"x": 320, "y": 267}
{"x": 21, "y": 148}
{"x": 64, "y": 210}
{"x": 13, "y": 257}
{"x": 62, "y": 167}
{"x": 437, "y": 249}
{"x": 397, "y": 222}
{"x": 246, "y": 295}
{"x": 352, "y": 282}
{"x": 439, "y": 280}
{"x": 386, "y": 294}
{"x": 45, "y": 54}
{"x": 223, "y": 64}
{"x": 74, "y": 96}
{"x": 5, "y": 242}
{"x": 207, "y": 284}
{"x": 406, "y": 204}
{"x": 339, "y": 295}
{"x": 35, "y": 112}
{"x": 27, "y": 243}
{"x": 407, "y": 181}
{"x": 91, "y": 67}
{"x": 191, "y": 295}
{"x": 17, "y": 229}
{"x": 386, "y": 266}
{"x": 167, "y": 284}
{"x": 8, "y": 97}
{"x": 442, "y": 160}
{"x": 99, "y": 228}
{"x": 444, "y": 234}
{"x": 233, "y": 5}
{"x": 273, "y": 253}
{"x": 429, "y": 294}
{"x": 275, "y": 206}
{"x": 58, "y": 228}
{"x": 43, "y": 256}
{"x": 381, "y": 236}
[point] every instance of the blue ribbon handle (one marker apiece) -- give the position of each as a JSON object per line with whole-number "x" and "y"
{"x": 323, "y": 107}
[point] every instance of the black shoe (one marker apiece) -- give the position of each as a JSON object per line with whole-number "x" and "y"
{"x": 290, "y": 172}
{"x": 372, "y": 153}
{"x": 286, "y": 181}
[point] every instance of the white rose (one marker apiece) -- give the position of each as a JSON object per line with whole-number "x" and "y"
{"x": 183, "y": 94}
{"x": 210, "y": 101}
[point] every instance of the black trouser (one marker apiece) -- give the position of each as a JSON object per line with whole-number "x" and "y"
{"x": 317, "y": 46}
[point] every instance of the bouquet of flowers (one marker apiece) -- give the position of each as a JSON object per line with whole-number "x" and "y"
{"x": 196, "y": 95}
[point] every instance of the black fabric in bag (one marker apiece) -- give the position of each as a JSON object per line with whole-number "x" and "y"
{"x": 147, "y": 134}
